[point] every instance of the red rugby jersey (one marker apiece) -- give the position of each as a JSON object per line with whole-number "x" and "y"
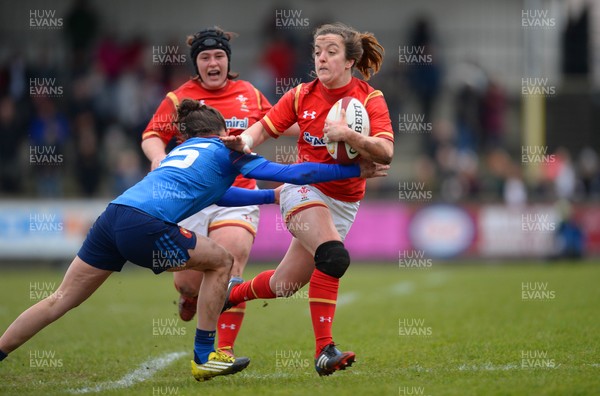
{"x": 239, "y": 101}
{"x": 309, "y": 104}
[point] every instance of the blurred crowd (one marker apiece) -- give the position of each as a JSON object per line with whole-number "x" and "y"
{"x": 468, "y": 126}
{"x": 72, "y": 126}
{"x": 76, "y": 133}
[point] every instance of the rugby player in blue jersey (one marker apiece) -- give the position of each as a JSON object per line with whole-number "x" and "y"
{"x": 141, "y": 226}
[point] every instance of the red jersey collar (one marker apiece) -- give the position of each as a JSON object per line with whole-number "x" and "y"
{"x": 213, "y": 91}
{"x": 333, "y": 95}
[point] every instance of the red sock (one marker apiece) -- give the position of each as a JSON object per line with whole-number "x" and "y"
{"x": 229, "y": 325}
{"x": 258, "y": 287}
{"x": 322, "y": 297}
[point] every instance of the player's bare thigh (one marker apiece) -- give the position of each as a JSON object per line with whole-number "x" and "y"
{"x": 312, "y": 227}
{"x": 294, "y": 271}
{"x": 80, "y": 281}
{"x": 237, "y": 241}
{"x": 207, "y": 255}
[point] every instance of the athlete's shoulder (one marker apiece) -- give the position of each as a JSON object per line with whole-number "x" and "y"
{"x": 245, "y": 88}
{"x": 187, "y": 89}
{"x": 366, "y": 92}
{"x": 203, "y": 139}
{"x": 363, "y": 86}
{"x": 240, "y": 84}
{"x": 306, "y": 93}
{"x": 308, "y": 86}
{"x": 209, "y": 148}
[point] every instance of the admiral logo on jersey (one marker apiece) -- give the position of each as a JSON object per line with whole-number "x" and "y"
{"x": 313, "y": 140}
{"x": 236, "y": 123}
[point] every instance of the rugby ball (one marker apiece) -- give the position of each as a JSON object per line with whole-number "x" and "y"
{"x": 357, "y": 120}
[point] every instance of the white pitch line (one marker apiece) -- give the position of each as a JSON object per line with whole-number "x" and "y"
{"x": 145, "y": 371}
{"x": 488, "y": 367}
{"x": 436, "y": 279}
{"x": 403, "y": 288}
{"x": 474, "y": 367}
{"x": 346, "y": 298}
{"x": 279, "y": 375}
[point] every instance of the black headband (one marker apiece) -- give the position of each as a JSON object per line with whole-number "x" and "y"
{"x": 209, "y": 39}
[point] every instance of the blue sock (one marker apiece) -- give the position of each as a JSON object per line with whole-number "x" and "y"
{"x": 2, "y": 355}
{"x": 204, "y": 344}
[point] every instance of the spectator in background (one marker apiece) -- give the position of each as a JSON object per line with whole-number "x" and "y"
{"x": 425, "y": 173}
{"x": 425, "y": 80}
{"x": 129, "y": 96}
{"x": 493, "y": 115}
{"x": 575, "y": 42}
{"x": 109, "y": 57}
{"x": 569, "y": 238}
{"x": 470, "y": 83}
{"x": 514, "y": 189}
{"x": 12, "y": 137}
{"x": 122, "y": 161}
{"x": 589, "y": 172}
{"x": 566, "y": 182}
{"x": 468, "y": 121}
{"x": 495, "y": 177}
{"x": 108, "y": 61}
{"x": 280, "y": 56}
{"x": 88, "y": 168}
{"x": 559, "y": 175}
{"x": 81, "y": 30}
{"x": 49, "y": 134}
{"x": 13, "y": 77}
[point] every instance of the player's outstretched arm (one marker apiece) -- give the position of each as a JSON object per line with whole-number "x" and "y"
{"x": 236, "y": 196}
{"x": 309, "y": 172}
{"x": 249, "y": 139}
{"x": 154, "y": 149}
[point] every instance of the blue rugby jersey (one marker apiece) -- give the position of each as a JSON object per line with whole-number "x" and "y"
{"x": 199, "y": 172}
{"x": 191, "y": 177}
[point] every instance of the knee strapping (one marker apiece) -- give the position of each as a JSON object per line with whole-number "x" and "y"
{"x": 332, "y": 258}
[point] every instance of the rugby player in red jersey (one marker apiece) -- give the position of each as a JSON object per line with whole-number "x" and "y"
{"x": 320, "y": 215}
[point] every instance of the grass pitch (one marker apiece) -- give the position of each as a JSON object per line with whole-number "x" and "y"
{"x": 519, "y": 329}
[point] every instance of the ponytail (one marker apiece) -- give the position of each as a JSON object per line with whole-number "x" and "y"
{"x": 372, "y": 57}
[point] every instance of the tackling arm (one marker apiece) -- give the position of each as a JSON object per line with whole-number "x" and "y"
{"x": 305, "y": 173}
{"x": 154, "y": 149}
{"x": 236, "y": 196}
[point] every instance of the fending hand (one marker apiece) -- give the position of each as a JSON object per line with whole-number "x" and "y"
{"x": 369, "y": 169}
{"x": 236, "y": 143}
{"x": 156, "y": 162}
